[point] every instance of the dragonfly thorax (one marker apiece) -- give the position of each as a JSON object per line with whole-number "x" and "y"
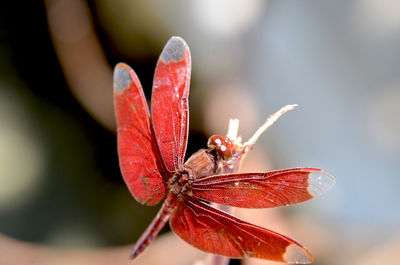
{"x": 180, "y": 183}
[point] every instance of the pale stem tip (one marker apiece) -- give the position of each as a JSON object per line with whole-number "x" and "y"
{"x": 233, "y": 129}
{"x": 270, "y": 120}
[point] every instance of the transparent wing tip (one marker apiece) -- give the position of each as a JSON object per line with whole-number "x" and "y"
{"x": 174, "y": 50}
{"x": 297, "y": 255}
{"x": 320, "y": 182}
{"x": 122, "y": 77}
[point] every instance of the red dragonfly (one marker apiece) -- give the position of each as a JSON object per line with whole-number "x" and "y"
{"x": 151, "y": 156}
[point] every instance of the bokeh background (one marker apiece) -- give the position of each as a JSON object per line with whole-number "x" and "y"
{"x": 60, "y": 184}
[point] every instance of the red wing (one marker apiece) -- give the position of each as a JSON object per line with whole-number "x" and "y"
{"x": 214, "y": 231}
{"x": 264, "y": 190}
{"x": 139, "y": 158}
{"x": 169, "y": 102}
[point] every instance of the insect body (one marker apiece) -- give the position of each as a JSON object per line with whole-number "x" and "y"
{"x": 151, "y": 150}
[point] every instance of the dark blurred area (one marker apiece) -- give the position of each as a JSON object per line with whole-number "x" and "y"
{"x": 60, "y": 174}
{"x": 60, "y": 183}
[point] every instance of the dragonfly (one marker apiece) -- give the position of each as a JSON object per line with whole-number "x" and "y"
{"x": 151, "y": 151}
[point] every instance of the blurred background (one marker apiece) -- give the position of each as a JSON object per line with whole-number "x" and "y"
{"x": 60, "y": 183}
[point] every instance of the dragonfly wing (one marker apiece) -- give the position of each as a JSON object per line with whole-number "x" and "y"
{"x": 264, "y": 190}
{"x": 217, "y": 232}
{"x": 169, "y": 102}
{"x": 139, "y": 157}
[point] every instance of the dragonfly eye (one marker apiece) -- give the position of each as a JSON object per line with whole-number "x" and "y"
{"x": 223, "y": 145}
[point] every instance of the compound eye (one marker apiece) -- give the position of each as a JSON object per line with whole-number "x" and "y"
{"x": 215, "y": 141}
{"x": 223, "y": 145}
